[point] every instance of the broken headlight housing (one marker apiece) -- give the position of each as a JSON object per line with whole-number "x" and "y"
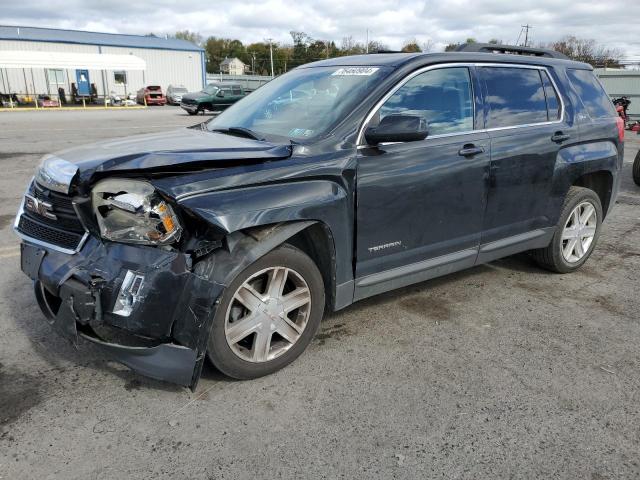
{"x": 131, "y": 211}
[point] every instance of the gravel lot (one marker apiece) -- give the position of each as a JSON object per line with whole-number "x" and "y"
{"x": 501, "y": 371}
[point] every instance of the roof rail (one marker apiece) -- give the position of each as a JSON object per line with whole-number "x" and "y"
{"x": 511, "y": 49}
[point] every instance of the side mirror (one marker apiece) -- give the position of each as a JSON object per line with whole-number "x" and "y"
{"x": 398, "y": 127}
{"x": 220, "y": 94}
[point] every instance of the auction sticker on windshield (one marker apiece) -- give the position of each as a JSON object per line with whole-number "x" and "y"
{"x": 356, "y": 71}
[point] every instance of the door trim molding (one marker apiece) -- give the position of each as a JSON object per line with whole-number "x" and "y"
{"x": 522, "y": 242}
{"x": 508, "y": 241}
{"x": 398, "y": 277}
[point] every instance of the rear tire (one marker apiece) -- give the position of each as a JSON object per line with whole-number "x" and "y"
{"x": 252, "y": 314}
{"x": 576, "y": 235}
{"x": 636, "y": 169}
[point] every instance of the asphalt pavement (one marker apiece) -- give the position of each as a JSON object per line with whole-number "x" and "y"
{"x": 501, "y": 371}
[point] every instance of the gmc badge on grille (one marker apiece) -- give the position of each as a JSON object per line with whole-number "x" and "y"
{"x": 39, "y": 207}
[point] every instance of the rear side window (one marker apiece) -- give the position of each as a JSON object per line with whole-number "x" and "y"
{"x": 236, "y": 90}
{"x": 593, "y": 96}
{"x": 515, "y": 96}
{"x": 554, "y": 108}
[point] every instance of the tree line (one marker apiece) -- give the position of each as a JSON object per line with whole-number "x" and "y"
{"x": 304, "y": 49}
{"x": 579, "y": 49}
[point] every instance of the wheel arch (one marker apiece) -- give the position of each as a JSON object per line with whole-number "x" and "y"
{"x": 595, "y": 166}
{"x": 243, "y": 247}
{"x": 601, "y": 182}
{"x": 317, "y": 241}
{"x": 314, "y": 215}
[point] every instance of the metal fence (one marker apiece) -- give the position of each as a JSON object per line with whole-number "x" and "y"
{"x": 248, "y": 82}
{"x": 620, "y": 83}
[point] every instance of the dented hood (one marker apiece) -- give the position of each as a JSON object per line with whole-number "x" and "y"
{"x": 174, "y": 150}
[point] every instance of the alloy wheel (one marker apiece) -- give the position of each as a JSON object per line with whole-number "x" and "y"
{"x": 268, "y": 314}
{"x": 579, "y": 232}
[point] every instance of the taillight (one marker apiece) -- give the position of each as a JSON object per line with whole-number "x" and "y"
{"x": 620, "y": 123}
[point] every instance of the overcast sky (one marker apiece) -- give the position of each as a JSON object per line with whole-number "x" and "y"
{"x": 615, "y": 23}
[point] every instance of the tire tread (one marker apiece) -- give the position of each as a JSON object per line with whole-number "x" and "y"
{"x": 636, "y": 169}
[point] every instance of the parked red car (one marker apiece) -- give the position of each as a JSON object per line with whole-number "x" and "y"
{"x": 152, "y": 94}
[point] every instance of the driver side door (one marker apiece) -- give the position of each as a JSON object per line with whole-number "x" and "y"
{"x": 420, "y": 204}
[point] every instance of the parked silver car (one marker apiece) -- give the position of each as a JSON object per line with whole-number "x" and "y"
{"x": 174, "y": 94}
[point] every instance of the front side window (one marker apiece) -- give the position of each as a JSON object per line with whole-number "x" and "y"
{"x": 120, "y": 78}
{"x": 515, "y": 96}
{"x": 236, "y": 90}
{"x": 211, "y": 89}
{"x": 593, "y": 96}
{"x": 443, "y": 97}
{"x": 55, "y": 76}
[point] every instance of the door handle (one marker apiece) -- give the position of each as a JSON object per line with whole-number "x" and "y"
{"x": 470, "y": 150}
{"x": 560, "y": 137}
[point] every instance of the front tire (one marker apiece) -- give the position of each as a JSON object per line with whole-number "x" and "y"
{"x": 576, "y": 233}
{"x": 268, "y": 315}
{"x": 636, "y": 169}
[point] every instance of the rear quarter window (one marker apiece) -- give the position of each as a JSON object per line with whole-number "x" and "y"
{"x": 593, "y": 96}
{"x": 515, "y": 96}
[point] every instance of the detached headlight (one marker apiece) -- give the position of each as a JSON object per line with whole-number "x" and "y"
{"x": 131, "y": 211}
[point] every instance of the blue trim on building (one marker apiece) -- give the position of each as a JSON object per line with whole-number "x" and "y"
{"x": 54, "y": 35}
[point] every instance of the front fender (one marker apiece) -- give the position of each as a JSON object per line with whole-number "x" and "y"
{"x": 237, "y": 209}
{"x": 315, "y": 200}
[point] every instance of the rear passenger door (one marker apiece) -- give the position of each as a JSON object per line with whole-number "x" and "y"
{"x": 524, "y": 117}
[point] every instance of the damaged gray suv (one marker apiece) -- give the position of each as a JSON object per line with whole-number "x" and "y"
{"x": 337, "y": 181}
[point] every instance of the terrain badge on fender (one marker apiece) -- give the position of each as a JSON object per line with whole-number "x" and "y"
{"x": 385, "y": 246}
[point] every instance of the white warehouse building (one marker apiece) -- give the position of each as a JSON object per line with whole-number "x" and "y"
{"x": 39, "y": 61}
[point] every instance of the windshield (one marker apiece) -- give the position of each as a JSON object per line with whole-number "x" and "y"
{"x": 211, "y": 89}
{"x": 180, "y": 90}
{"x": 302, "y": 104}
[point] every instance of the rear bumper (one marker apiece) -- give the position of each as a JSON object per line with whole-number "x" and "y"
{"x": 165, "y": 334}
{"x": 156, "y": 101}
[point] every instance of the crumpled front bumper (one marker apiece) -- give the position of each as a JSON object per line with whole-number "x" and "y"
{"x": 165, "y": 335}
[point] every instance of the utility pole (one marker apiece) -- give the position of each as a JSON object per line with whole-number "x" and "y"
{"x": 526, "y": 34}
{"x": 253, "y": 62}
{"x": 270, "y": 40}
{"x": 367, "y": 40}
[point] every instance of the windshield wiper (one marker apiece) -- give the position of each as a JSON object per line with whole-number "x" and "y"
{"x": 240, "y": 132}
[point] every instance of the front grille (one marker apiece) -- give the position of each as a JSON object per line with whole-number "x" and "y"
{"x": 48, "y": 234}
{"x": 62, "y": 208}
{"x": 65, "y": 231}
